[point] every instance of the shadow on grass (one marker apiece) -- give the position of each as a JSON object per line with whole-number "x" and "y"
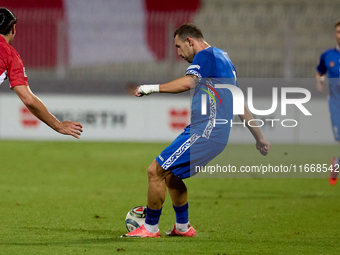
{"x": 115, "y": 237}
{"x": 62, "y": 243}
{"x": 113, "y": 240}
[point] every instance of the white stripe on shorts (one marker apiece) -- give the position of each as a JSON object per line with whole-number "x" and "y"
{"x": 179, "y": 152}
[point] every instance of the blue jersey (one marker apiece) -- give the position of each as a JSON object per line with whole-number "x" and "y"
{"x": 330, "y": 64}
{"x": 212, "y": 66}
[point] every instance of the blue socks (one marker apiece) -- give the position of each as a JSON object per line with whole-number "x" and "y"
{"x": 152, "y": 219}
{"x": 182, "y": 213}
{"x": 182, "y": 217}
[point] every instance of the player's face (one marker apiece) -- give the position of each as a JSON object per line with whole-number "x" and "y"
{"x": 337, "y": 34}
{"x": 184, "y": 49}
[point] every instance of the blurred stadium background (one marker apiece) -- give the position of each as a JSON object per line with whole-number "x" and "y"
{"x": 85, "y": 47}
{"x": 132, "y": 40}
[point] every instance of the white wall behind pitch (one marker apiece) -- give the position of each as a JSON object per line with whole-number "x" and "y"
{"x": 124, "y": 118}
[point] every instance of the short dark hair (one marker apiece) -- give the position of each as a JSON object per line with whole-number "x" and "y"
{"x": 188, "y": 30}
{"x": 337, "y": 24}
{"x": 7, "y": 20}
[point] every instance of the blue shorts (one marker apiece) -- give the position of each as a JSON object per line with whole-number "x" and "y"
{"x": 186, "y": 152}
{"x": 335, "y": 119}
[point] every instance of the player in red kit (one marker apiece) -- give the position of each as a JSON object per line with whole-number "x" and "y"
{"x": 11, "y": 67}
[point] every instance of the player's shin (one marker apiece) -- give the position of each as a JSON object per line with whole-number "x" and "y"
{"x": 156, "y": 198}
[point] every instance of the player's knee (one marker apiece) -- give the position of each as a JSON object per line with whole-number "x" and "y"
{"x": 152, "y": 173}
{"x": 155, "y": 172}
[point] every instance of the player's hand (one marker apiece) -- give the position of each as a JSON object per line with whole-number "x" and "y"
{"x": 263, "y": 146}
{"x": 319, "y": 86}
{"x": 137, "y": 93}
{"x": 70, "y": 128}
{"x": 146, "y": 89}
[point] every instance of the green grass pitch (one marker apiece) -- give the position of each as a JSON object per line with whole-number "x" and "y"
{"x": 72, "y": 198}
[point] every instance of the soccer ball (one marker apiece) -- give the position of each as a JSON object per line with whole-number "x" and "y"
{"x": 135, "y": 218}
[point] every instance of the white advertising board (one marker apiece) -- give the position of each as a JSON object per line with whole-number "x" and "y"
{"x": 154, "y": 118}
{"x": 103, "y": 118}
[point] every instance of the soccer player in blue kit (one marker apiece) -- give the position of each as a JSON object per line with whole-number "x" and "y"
{"x": 330, "y": 65}
{"x": 202, "y": 140}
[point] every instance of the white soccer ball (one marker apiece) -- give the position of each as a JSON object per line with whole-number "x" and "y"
{"x": 135, "y": 218}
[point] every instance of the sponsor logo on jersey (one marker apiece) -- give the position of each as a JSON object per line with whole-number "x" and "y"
{"x": 25, "y": 72}
{"x": 331, "y": 64}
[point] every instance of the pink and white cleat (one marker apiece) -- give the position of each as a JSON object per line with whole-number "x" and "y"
{"x": 174, "y": 232}
{"x": 141, "y": 232}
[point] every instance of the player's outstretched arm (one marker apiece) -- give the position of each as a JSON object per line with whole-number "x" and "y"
{"x": 37, "y": 107}
{"x": 261, "y": 144}
{"x": 176, "y": 86}
{"x": 319, "y": 82}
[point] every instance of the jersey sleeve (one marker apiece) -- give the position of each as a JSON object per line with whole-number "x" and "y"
{"x": 16, "y": 71}
{"x": 3, "y": 70}
{"x": 322, "y": 68}
{"x": 203, "y": 65}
